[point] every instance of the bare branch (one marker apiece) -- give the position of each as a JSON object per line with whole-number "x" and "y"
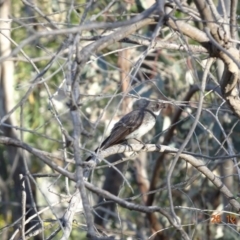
{"x": 136, "y": 207}
{"x": 198, "y": 164}
{"x": 233, "y": 19}
{"x": 36, "y": 152}
{"x": 205, "y": 12}
{"x": 188, "y": 30}
{"x": 189, "y": 135}
{"x": 89, "y": 26}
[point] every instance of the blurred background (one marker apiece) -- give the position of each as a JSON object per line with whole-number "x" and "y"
{"x": 152, "y": 62}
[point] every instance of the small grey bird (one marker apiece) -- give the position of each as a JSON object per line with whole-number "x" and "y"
{"x": 133, "y": 125}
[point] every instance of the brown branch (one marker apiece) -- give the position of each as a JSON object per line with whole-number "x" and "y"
{"x": 79, "y": 63}
{"x": 198, "y": 164}
{"x": 37, "y": 153}
{"x": 216, "y": 48}
{"x": 205, "y": 12}
{"x": 193, "y": 89}
{"x": 156, "y": 169}
{"x": 230, "y": 77}
{"x": 157, "y": 44}
{"x": 227, "y": 55}
{"x": 189, "y": 134}
{"x": 133, "y": 206}
{"x": 221, "y": 48}
{"x": 111, "y": 38}
{"x": 89, "y": 26}
{"x": 215, "y": 14}
{"x": 190, "y": 31}
{"x": 67, "y": 219}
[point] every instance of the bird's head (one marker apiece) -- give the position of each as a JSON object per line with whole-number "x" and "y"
{"x": 154, "y": 106}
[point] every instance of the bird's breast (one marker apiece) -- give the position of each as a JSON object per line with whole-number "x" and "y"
{"x": 147, "y": 124}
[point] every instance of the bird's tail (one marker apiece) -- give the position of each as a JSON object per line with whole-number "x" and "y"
{"x": 86, "y": 171}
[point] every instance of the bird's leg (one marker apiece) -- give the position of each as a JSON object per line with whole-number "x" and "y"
{"x": 144, "y": 145}
{"x": 158, "y": 146}
{"x": 125, "y": 142}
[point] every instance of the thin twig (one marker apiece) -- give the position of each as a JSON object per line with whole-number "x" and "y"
{"x": 24, "y": 197}
{"x": 189, "y": 135}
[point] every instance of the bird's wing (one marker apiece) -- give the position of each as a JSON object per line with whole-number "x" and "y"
{"x": 126, "y": 125}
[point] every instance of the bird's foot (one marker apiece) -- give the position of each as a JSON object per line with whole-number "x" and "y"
{"x": 126, "y": 143}
{"x": 144, "y": 145}
{"x": 158, "y": 146}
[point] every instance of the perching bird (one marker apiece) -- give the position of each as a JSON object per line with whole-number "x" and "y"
{"x": 133, "y": 125}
